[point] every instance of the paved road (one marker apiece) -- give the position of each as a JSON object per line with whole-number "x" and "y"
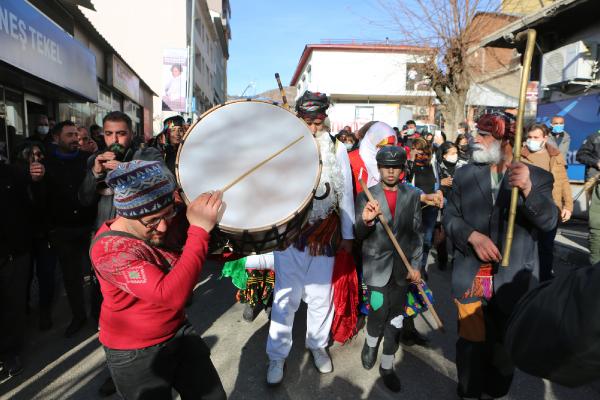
{"x": 58, "y": 368}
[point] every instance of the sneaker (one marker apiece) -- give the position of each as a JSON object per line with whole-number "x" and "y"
{"x": 322, "y": 360}
{"x": 275, "y": 372}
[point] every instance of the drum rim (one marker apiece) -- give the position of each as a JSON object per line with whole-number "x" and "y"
{"x": 227, "y": 228}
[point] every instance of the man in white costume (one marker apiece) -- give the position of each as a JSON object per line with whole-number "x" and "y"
{"x": 303, "y": 271}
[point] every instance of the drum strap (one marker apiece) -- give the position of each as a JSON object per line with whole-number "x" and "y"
{"x": 164, "y": 266}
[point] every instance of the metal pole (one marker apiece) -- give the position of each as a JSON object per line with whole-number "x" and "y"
{"x": 191, "y": 62}
{"x": 529, "y": 49}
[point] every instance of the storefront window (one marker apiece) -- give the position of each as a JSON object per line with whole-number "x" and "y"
{"x": 134, "y": 112}
{"x": 116, "y": 103}
{"x": 12, "y": 126}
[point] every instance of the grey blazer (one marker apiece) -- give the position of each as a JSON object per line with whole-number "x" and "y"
{"x": 380, "y": 259}
{"x": 470, "y": 207}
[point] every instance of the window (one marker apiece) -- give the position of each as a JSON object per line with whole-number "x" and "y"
{"x": 364, "y": 113}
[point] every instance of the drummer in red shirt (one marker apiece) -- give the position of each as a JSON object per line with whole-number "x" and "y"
{"x": 150, "y": 347}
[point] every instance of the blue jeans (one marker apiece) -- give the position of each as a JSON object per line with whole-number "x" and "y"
{"x": 182, "y": 363}
{"x": 429, "y": 217}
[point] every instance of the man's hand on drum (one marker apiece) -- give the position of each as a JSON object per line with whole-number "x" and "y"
{"x": 204, "y": 210}
{"x": 105, "y": 161}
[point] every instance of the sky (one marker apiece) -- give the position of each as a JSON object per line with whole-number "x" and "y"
{"x": 269, "y": 36}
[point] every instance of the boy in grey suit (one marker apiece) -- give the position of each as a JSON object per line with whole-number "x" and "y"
{"x": 383, "y": 271}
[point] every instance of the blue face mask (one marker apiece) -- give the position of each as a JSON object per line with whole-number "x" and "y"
{"x": 558, "y": 128}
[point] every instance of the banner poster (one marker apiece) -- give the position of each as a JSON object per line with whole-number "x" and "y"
{"x": 175, "y": 72}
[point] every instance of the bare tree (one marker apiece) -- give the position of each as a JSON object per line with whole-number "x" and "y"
{"x": 448, "y": 28}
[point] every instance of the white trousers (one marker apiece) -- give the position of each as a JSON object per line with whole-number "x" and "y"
{"x": 300, "y": 276}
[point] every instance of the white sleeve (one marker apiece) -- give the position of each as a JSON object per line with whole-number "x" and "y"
{"x": 260, "y": 261}
{"x": 347, "y": 204}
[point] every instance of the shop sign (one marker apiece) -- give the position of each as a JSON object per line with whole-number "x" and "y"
{"x": 34, "y": 44}
{"x": 125, "y": 80}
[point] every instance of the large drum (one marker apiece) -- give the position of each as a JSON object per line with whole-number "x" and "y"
{"x": 266, "y": 209}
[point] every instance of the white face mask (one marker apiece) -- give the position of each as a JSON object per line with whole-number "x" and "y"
{"x": 349, "y": 146}
{"x": 452, "y": 159}
{"x": 410, "y": 132}
{"x": 534, "y": 145}
{"x": 43, "y": 130}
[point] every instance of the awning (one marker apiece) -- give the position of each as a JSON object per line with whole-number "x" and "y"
{"x": 485, "y": 95}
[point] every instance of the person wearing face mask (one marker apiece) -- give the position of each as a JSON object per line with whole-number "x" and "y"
{"x": 424, "y": 175}
{"x": 559, "y": 137}
{"x": 539, "y": 152}
{"x": 448, "y": 163}
{"x": 42, "y": 129}
{"x": 409, "y": 132}
{"x": 347, "y": 139}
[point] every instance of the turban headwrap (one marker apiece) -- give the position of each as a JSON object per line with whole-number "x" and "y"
{"x": 500, "y": 126}
{"x": 312, "y": 105}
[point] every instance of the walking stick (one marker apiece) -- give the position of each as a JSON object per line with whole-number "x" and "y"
{"x": 388, "y": 230}
{"x": 283, "y": 96}
{"x": 514, "y": 198}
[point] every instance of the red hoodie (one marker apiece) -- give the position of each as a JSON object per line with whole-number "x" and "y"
{"x": 144, "y": 304}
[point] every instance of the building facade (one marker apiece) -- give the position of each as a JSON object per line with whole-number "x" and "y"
{"x": 198, "y": 29}
{"x": 53, "y": 62}
{"x": 367, "y": 82}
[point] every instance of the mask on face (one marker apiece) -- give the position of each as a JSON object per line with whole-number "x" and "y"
{"x": 534, "y": 145}
{"x": 463, "y": 147}
{"x": 558, "y": 128}
{"x": 43, "y": 130}
{"x": 410, "y": 132}
{"x": 452, "y": 159}
{"x": 349, "y": 146}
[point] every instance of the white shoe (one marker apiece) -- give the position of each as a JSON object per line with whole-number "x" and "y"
{"x": 322, "y": 360}
{"x": 275, "y": 372}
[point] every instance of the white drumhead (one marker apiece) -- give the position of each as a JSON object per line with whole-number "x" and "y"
{"x": 233, "y": 138}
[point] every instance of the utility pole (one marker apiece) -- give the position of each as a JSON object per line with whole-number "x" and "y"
{"x": 191, "y": 62}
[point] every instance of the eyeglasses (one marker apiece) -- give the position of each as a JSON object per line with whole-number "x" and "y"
{"x": 153, "y": 223}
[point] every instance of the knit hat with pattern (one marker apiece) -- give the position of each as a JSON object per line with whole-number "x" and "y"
{"x": 140, "y": 188}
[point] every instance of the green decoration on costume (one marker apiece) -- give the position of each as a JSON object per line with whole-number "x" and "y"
{"x": 376, "y": 300}
{"x": 236, "y": 270}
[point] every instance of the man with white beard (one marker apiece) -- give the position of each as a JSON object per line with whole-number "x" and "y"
{"x": 303, "y": 271}
{"x": 475, "y": 219}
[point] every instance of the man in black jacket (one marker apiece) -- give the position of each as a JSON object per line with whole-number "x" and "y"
{"x": 69, "y": 220}
{"x": 476, "y": 221}
{"x": 16, "y": 236}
